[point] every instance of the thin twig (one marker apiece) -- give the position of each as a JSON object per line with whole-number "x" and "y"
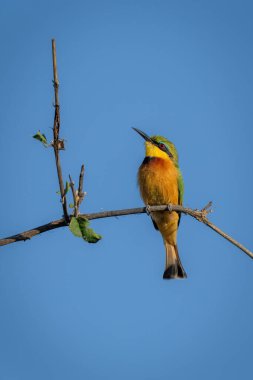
{"x": 72, "y": 186}
{"x": 78, "y": 195}
{"x": 80, "y": 188}
{"x": 227, "y": 237}
{"x": 58, "y": 144}
{"x": 200, "y": 215}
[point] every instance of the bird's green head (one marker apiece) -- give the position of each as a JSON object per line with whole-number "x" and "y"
{"x": 159, "y": 146}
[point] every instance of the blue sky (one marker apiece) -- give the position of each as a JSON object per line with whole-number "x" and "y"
{"x": 182, "y": 69}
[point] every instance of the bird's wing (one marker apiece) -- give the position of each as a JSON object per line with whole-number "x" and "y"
{"x": 180, "y": 184}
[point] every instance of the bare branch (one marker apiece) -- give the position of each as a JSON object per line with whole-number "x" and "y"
{"x": 58, "y": 144}
{"x": 227, "y": 237}
{"x": 200, "y": 215}
{"x": 27, "y": 235}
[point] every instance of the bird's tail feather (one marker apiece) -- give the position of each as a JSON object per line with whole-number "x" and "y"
{"x": 174, "y": 267}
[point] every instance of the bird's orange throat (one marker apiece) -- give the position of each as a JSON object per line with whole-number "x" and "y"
{"x": 158, "y": 164}
{"x": 158, "y": 181}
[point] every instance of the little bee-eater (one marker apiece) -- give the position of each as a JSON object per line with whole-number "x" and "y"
{"x": 161, "y": 182}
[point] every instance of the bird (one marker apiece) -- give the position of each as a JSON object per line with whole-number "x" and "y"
{"x": 161, "y": 182}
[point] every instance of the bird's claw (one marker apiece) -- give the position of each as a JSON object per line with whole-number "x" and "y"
{"x": 169, "y": 207}
{"x": 148, "y": 211}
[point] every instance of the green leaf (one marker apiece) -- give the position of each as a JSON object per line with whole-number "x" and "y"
{"x": 88, "y": 233}
{"x": 67, "y": 187}
{"x": 74, "y": 227}
{"x": 42, "y": 138}
{"x": 80, "y": 227}
{"x": 71, "y": 205}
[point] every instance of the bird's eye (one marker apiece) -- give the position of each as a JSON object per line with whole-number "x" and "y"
{"x": 162, "y": 146}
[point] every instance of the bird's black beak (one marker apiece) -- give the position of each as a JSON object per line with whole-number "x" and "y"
{"x": 146, "y": 137}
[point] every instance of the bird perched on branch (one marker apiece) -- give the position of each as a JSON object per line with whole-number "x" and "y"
{"x": 161, "y": 182}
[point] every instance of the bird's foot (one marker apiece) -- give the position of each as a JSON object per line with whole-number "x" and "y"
{"x": 169, "y": 207}
{"x": 148, "y": 211}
